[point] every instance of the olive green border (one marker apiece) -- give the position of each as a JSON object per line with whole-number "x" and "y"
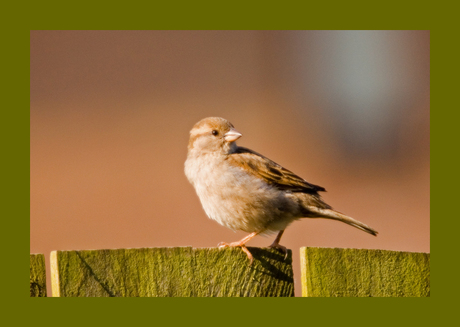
{"x": 20, "y": 18}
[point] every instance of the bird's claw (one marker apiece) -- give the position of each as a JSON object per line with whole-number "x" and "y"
{"x": 279, "y": 248}
{"x": 223, "y": 245}
{"x": 237, "y": 244}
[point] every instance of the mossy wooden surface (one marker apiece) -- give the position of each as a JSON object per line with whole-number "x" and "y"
{"x": 334, "y": 272}
{"x": 177, "y": 271}
{"x": 37, "y": 275}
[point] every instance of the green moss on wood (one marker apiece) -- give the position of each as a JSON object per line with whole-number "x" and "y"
{"x": 178, "y": 271}
{"x": 37, "y": 275}
{"x": 334, "y": 272}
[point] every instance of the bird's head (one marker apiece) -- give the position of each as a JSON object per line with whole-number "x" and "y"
{"x": 213, "y": 135}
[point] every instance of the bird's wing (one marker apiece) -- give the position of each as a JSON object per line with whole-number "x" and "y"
{"x": 269, "y": 171}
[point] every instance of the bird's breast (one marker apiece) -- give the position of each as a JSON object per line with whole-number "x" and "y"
{"x": 233, "y": 197}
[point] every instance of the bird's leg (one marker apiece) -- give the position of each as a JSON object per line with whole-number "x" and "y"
{"x": 241, "y": 244}
{"x": 276, "y": 243}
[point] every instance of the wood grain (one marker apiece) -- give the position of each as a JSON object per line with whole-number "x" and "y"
{"x": 336, "y": 272}
{"x": 37, "y": 275}
{"x": 171, "y": 272}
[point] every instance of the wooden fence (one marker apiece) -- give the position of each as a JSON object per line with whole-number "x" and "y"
{"x": 37, "y": 275}
{"x": 204, "y": 272}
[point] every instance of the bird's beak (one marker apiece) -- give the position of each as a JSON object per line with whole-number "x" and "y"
{"x": 232, "y": 135}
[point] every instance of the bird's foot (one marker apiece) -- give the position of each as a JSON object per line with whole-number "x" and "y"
{"x": 239, "y": 245}
{"x": 279, "y": 247}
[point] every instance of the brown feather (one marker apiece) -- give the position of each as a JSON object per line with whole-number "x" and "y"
{"x": 272, "y": 173}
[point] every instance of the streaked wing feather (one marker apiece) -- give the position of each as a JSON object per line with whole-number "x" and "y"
{"x": 272, "y": 173}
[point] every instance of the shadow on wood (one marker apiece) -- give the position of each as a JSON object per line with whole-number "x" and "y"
{"x": 176, "y": 271}
{"x": 37, "y": 275}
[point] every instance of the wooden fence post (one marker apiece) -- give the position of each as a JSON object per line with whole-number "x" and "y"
{"x": 334, "y": 272}
{"x": 37, "y": 275}
{"x": 177, "y": 271}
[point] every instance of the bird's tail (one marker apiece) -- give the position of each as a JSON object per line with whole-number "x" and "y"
{"x": 332, "y": 214}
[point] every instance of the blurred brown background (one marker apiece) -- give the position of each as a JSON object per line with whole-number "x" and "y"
{"x": 111, "y": 111}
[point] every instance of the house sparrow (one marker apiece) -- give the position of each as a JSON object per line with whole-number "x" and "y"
{"x": 243, "y": 190}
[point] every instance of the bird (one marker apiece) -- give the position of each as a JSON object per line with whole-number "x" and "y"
{"x": 244, "y": 190}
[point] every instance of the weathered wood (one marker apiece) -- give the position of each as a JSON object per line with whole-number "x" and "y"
{"x": 334, "y": 272}
{"x": 177, "y": 271}
{"x": 37, "y": 275}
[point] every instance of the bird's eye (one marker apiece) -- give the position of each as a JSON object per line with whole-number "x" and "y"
{"x": 215, "y": 133}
